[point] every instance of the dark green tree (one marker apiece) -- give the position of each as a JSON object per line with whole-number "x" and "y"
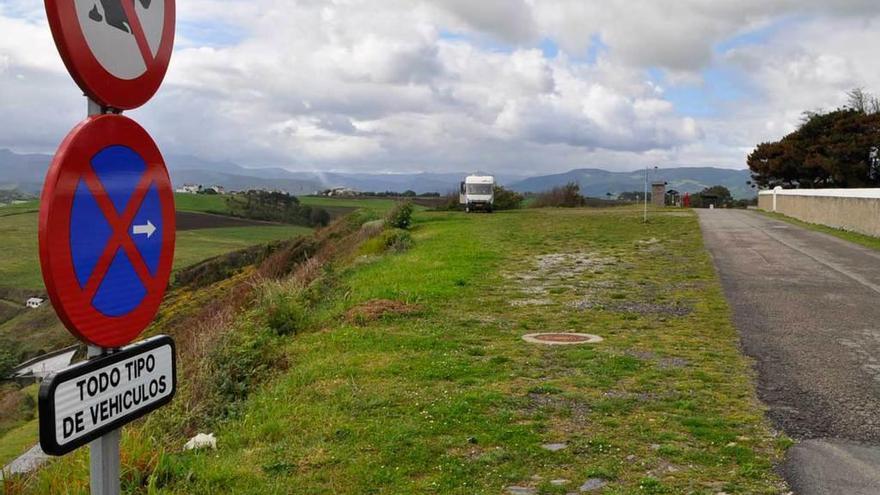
{"x": 829, "y": 149}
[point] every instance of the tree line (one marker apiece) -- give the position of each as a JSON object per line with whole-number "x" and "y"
{"x": 839, "y": 148}
{"x": 276, "y": 207}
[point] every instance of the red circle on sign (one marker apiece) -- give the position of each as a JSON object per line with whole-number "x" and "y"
{"x": 87, "y": 193}
{"x": 85, "y": 35}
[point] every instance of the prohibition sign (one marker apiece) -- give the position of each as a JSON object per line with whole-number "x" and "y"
{"x": 117, "y": 51}
{"x": 107, "y": 230}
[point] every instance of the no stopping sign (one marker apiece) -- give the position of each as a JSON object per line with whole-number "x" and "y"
{"x": 107, "y": 230}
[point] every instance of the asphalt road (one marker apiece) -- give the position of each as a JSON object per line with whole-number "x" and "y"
{"x": 807, "y": 307}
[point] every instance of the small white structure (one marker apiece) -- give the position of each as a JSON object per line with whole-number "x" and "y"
{"x": 35, "y": 302}
{"x": 189, "y": 189}
{"x": 477, "y": 193}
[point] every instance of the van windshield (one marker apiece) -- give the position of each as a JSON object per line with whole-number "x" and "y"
{"x": 484, "y": 189}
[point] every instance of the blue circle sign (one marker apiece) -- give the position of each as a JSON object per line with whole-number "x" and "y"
{"x": 107, "y": 230}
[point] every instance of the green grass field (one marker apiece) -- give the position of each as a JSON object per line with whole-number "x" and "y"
{"x": 202, "y": 203}
{"x": 196, "y": 245}
{"x": 377, "y": 204}
{"x": 20, "y": 265}
{"x": 20, "y": 258}
{"x": 217, "y": 204}
{"x": 451, "y": 400}
{"x": 29, "y": 206}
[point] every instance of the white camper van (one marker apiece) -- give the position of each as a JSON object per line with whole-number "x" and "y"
{"x": 477, "y": 193}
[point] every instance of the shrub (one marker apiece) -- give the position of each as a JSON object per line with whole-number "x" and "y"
{"x": 8, "y": 359}
{"x": 567, "y": 196}
{"x": 275, "y": 207}
{"x": 396, "y": 240}
{"x": 505, "y": 199}
{"x": 284, "y": 308}
{"x": 400, "y": 217}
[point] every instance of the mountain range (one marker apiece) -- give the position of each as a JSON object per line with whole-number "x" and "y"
{"x": 597, "y": 183}
{"x": 26, "y": 172}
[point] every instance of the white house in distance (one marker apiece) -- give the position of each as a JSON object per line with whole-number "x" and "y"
{"x": 345, "y": 192}
{"x": 189, "y": 189}
{"x": 34, "y": 302}
{"x": 200, "y": 189}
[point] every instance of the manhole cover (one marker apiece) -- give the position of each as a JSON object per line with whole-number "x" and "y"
{"x": 563, "y": 338}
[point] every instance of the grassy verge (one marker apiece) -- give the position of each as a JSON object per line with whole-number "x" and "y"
{"x": 867, "y": 241}
{"x": 445, "y": 397}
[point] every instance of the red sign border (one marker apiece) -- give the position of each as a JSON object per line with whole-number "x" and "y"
{"x": 73, "y": 159}
{"x": 90, "y": 75}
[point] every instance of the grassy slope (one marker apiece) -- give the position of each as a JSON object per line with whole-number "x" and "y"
{"x": 22, "y": 436}
{"x": 854, "y": 237}
{"x": 452, "y": 401}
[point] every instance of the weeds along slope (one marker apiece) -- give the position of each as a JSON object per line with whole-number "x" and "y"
{"x": 229, "y": 317}
{"x": 407, "y": 373}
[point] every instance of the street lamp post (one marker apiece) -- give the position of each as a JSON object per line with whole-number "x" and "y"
{"x": 647, "y": 167}
{"x": 646, "y": 194}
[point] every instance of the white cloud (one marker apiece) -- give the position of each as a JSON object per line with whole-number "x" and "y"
{"x": 399, "y": 85}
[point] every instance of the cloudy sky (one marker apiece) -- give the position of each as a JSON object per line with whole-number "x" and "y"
{"x": 512, "y": 86}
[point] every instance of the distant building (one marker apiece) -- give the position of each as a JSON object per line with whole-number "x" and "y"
{"x": 34, "y": 302}
{"x": 341, "y": 192}
{"x": 213, "y": 190}
{"x": 190, "y": 189}
{"x": 658, "y": 193}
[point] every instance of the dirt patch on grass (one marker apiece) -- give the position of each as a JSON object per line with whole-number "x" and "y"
{"x": 578, "y": 410}
{"x": 662, "y": 362}
{"x": 378, "y": 309}
{"x": 555, "y": 274}
{"x": 646, "y": 308}
{"x": 188, "y": 220}
{"x": 518, "y": 303}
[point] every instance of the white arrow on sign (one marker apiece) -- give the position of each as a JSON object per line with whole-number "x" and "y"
{"x": 147, "y": 229}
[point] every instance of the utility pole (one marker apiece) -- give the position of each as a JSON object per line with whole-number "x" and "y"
{"x": 647, "y": 167}
{"x": 646, "y": 194}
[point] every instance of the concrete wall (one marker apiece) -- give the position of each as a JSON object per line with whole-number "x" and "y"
{"x": 856, "y": 210}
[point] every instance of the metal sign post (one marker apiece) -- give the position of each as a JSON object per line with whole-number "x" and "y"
{"x": 107, "y": 232}
{"x": 104, "y": 455}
